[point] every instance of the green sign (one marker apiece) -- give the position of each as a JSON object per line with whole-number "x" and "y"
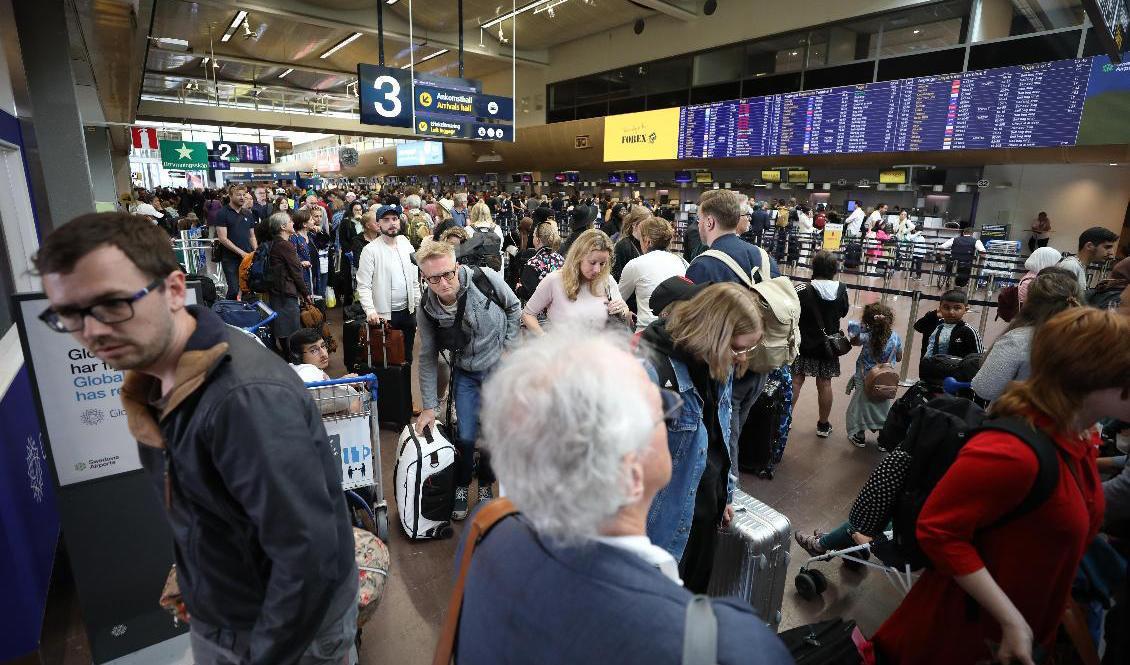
{"x": 188, "y": 155}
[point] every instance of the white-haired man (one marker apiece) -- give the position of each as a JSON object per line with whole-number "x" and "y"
{"x": 574, "y": 578}
{"x": 459, "y": 212}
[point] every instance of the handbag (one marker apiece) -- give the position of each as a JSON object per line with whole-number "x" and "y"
{"x": 836, "y": 344}
{"x": 172, "y": 600}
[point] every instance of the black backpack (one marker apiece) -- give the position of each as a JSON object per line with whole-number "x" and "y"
{"x": 259, "y": 276}
{"x": 937, "y": 433}
{"x": 484, "y": 249}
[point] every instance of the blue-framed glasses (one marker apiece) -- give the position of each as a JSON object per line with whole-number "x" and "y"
{"x": 110, "y": 310}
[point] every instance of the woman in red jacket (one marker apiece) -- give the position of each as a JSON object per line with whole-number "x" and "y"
{"x": 1007, "y": 584}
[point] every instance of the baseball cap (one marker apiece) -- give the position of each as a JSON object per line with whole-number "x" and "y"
{"x": 386, "y": 209}
{"x": 672, "y": 290}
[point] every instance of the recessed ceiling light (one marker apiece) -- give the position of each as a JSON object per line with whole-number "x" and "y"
{"x": 284, "y": 74}
{"x": 1114, "y": 163}
{"x": 794, "y": 52}
{"x": 916, "y": 31}
{"x": 340, "y": 45}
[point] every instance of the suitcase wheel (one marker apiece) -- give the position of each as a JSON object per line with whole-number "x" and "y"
{"x": 810, "y": 583}
{"x": 382, "y": 523}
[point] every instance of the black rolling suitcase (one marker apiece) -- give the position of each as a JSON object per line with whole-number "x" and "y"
{"x": 762, "y": 429}
{"x": 394, "y": 395}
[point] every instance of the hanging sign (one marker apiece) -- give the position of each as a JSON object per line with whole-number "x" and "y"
{"x": 187, "y": 155}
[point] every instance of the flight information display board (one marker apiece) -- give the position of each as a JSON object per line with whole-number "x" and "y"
{"x": 1026, "y": 106}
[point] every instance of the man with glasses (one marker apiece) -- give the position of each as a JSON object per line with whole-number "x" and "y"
{"x": 474, "y": 315}
{"x": 264, "y": 555}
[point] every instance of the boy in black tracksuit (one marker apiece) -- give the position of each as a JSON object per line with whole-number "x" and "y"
{"x": 945, "y": 333}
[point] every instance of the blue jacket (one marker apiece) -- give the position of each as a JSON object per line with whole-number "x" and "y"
{"x": 530, "y": 600}
{"x": 669, "y": 520}
{"x": 709, "y": 269}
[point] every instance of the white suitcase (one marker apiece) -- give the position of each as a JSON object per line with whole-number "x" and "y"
{"x": 425, "y": 483}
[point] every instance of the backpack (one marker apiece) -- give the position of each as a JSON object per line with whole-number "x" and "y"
{"x": 484, "y": 249}
{"x": 455, "y": 339}
{"x": 1008, "y": 303}
{"x": 937, "y": 433}
{"x": 881, "y": 382}
{"x": 418, "y": 228}
{"x": 780, "y": 313}
{"x": 425, "y": 483}
{"x": 259, "y": 272}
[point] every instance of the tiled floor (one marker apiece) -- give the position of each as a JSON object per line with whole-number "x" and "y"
{"x": 814, "y": 486}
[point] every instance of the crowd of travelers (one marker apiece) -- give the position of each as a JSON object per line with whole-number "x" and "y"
{"x": 605, "y": 386}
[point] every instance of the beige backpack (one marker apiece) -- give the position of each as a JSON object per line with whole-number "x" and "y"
{"x": 780, "y": 313}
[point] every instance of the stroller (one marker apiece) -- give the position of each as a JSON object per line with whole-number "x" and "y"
{"x": 872, "y": 511}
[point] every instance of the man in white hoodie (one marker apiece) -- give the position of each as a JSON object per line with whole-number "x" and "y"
{"x": 388, "y": 283}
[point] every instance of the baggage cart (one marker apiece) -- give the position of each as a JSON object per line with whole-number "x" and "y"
{"x": 349, "y": 413}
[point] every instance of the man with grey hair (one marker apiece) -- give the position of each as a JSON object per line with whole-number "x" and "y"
{"x": 459, "y": 212}
{"x": 578, "y": 438}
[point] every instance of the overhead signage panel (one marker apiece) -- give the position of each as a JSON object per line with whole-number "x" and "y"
{"x": 449, "y": 128}
{"x": 384, "y": 94}
{"x": 443, "y": 101}
{"x": 187, "y": 155}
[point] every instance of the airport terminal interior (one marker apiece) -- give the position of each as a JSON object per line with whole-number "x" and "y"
{"x": 941, "y": 189}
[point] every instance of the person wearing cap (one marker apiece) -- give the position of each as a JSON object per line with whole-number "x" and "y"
{"x": 388, "y": 282}
{"x": 581, "y": 219}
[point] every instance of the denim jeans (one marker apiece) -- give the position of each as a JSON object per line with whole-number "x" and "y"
{"x": 334, "y": 645}
{"x": 468, "y": 388}
{"x": 231, "y": 276}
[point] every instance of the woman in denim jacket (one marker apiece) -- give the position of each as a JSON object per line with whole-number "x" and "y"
{"x": 695, "y": 352}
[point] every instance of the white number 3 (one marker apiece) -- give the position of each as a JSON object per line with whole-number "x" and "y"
{"x": 391, "y": 96}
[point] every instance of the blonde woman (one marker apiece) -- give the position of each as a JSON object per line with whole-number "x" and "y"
{"x": 695, "y": 350}
{"x": 582, "y": 291}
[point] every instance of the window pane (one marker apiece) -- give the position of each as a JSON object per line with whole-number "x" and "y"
{"x": 667, "y": 100}
{"x": 770, "y": 85}
{"x": 921, "y": 37}
{"x": 923, "y": 64}
{"x": 772, "y": 56}
{"x": 630, "y": 105}
{"x": 560, "y": 115}
{"x": 562, "y": 95}
{"x": 669, "y": 75}
{"x": 722, "y": 65}
{"x": 1008, "y": 18}
{"x": 592, "y": 89}
{"x": 627, "y": 82}
{"x": 1042, "y": 48}
{"x": 716, "y": 93}
{"x": 829, "y": 77}
{"x": 592, "y": 111}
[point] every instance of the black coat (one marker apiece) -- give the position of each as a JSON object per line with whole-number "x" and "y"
{"x": 811, "y": 336}
{"x": 963, "y": 339}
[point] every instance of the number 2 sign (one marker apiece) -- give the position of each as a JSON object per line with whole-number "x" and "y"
{"x": 383, "y": 92}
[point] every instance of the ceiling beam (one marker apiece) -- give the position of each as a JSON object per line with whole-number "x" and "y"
{"x": 365, "y": 22}
{"x": 255, "y": 62}
{"x": 669, "y": 8}
{"x": 297, "y": 90}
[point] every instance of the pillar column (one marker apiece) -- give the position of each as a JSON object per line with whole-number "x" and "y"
{"x": 42, "y": 30}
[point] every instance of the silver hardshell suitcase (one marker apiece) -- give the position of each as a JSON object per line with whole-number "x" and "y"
{"x": 752, "y": 558}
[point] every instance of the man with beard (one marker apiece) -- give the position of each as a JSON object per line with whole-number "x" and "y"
{"x": 264, "y": 553}
{"x": 388, "y": 283}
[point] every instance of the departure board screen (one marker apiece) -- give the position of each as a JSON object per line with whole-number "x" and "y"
{"x": 1027, "y": 106}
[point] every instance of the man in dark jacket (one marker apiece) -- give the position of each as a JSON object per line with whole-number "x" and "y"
{"x": 578, "y": 561}
{"x": 235, "y": 445}
{"x": 718, "y": 215}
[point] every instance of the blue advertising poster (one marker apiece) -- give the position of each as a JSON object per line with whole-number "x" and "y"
{"x": 30, "y": 519}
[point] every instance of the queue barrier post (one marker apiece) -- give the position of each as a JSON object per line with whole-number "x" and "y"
{"x": 908, "y": 340}
{"x": 984, "y": 319}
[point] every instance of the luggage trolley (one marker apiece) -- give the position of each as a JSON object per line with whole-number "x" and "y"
{"x": 349, "y": 413}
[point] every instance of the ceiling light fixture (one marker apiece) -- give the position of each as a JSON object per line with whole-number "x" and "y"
{"x": 509, "y": 15}
{"x": 548, "y": 9}
{"x": 287, "y": 72}
{"x": 426, "y": 58}
{"x": 391, "y": 2}
{"x": 340, "y": 45}
{"x": 916, "y": 31}
{"x": 239, "y": 18}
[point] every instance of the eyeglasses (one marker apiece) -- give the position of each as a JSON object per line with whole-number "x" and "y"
{"x": 672, "y": 406}
{"x": 108, "y": 311}
{"x": 744, "y": 353}
{"x": 443, "y": 276}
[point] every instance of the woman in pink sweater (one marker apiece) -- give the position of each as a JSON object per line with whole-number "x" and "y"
{"x": 583, "y": 292}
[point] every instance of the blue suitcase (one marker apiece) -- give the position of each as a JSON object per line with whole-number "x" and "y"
{"x": 253, "y": 317}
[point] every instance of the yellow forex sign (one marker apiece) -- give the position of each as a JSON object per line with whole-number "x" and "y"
{"x": 642, "y": 136}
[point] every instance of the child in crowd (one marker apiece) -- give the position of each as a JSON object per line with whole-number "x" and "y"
{"x": 881, "y": 344}
{"x": 946, "y": 333}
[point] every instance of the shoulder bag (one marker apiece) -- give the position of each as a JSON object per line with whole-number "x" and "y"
{"x": 836, "y": 344}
